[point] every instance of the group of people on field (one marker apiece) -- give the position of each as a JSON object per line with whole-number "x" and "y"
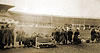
{"x": 25, "y": 39}
{"x": 61, "y": 35}
{"x": 95, "y": 35}
{"x": 6, "y": 37}
{"x": 66, "y": 36}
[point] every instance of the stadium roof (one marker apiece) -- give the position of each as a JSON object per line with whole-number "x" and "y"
{"x": 3, "y": 10}
{"x": 6, "y": 7}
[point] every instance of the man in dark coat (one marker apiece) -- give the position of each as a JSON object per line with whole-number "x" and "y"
{"x": 75, "y": 39}
{"x": 54, "y": 35}
{"x": 62, "y": 37}
{"x": 70, "y": 33}
{"x": 1, "y": 37}
{"x": 93, "y": 33}
{"x": 66, "y": 37}
{"x": 7, "y": 38}
{"x": 98, "y": 36}
{"x": 58, "y": 34}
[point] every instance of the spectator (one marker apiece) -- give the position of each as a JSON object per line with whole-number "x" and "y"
{"x": 75, "y": 39}
{"x": 62, "y": 37}
{"x": 20, "y": 33}
{"x": 70, "y": 33}
{"x": 57, "y": 33}
{"x": 66, "y": 36}
{"x": 54, "y": 35}
{"x": 27, "y": 41}
{"x": 1, "y": 37}
{"x": 93, "y": 33}
{"x": 7, "y": 38}
{"x": 33, "y": 36}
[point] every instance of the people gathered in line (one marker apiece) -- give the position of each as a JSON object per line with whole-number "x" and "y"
{"x": 95, "y": 35}
{"x": 65, "y": 36}
{"x": 6, "y": 37}
{"x": 61, "y": 35}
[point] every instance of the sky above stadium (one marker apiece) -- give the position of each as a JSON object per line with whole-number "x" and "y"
{"x": 68, "y": 8}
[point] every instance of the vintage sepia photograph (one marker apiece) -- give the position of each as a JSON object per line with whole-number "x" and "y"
{"x": 49, "y": 26}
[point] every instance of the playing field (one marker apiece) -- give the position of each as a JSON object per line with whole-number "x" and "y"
{"x": 83, "y": 48}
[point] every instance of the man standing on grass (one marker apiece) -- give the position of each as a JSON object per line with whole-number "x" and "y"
{"x": 1, "y": 37}
{"x": 93, "y": 35}
{"x": 76, "y": 34}
{"x": 70, "y": 33}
